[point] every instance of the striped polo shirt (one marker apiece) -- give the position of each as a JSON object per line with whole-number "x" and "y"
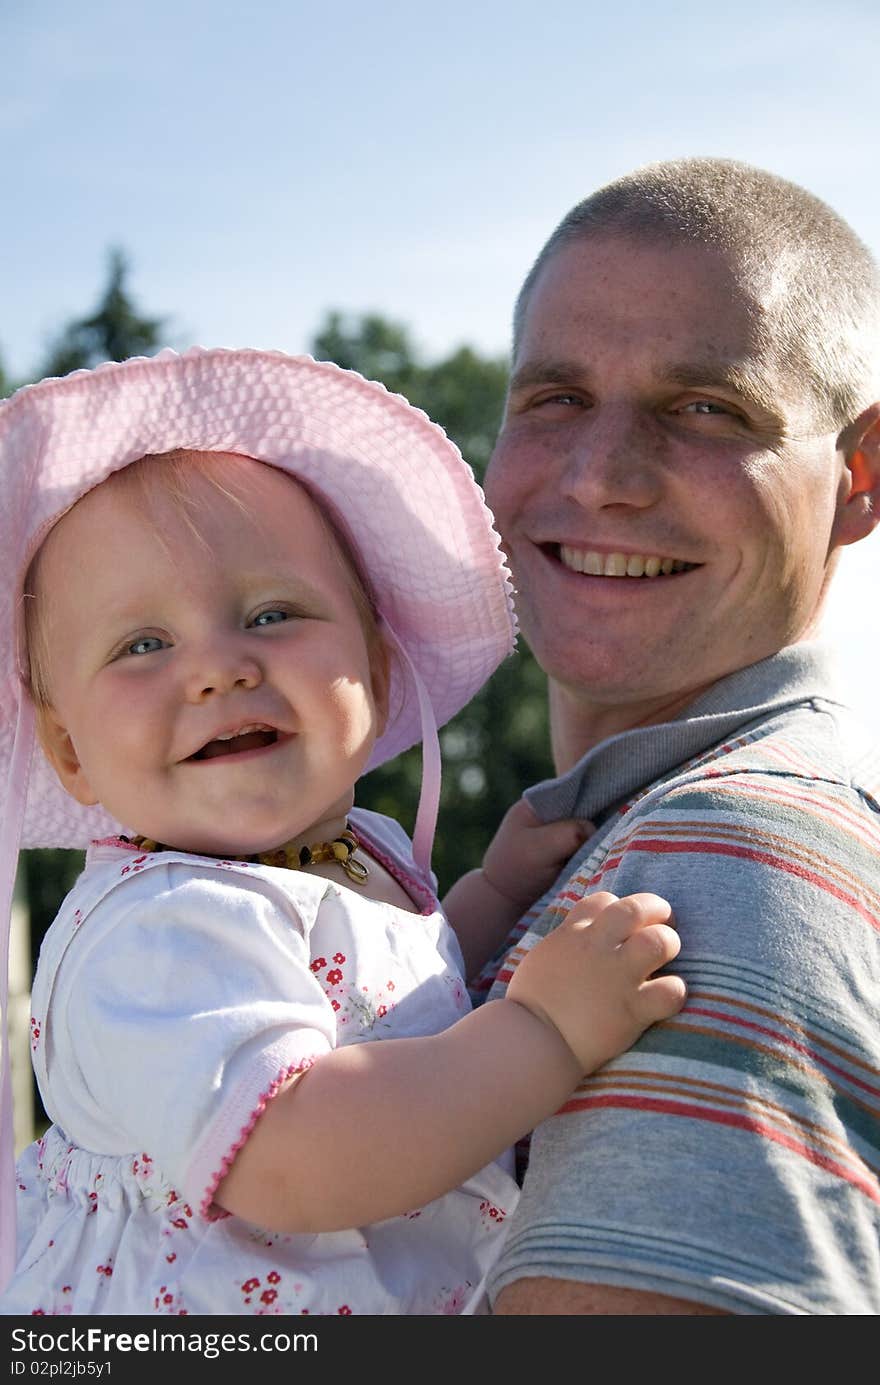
{"x": 732, "y": 1156}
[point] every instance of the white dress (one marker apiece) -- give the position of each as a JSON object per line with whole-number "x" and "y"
{"x": 173, "y": 995}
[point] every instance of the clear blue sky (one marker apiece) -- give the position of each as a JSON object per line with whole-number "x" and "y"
{"x": 263, "y": 162}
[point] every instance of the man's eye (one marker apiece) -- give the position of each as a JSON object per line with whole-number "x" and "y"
{"x": 562, "y": 397}
{"x": 706, "y": 406}
{"x": 147, "y": 644}
{"x": 273, "y": 617}
{"x": 562, "y": 402}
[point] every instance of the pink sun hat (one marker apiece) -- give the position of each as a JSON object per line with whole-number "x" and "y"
{"x": 392, "y": 482}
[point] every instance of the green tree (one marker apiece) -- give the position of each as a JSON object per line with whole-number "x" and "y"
{"x": 500, "y": 742}
{"x": 379, "y": 349}
{"x": 7, "y": 384}
{"x": 113, "y": 332}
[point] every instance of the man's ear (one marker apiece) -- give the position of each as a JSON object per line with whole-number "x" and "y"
{"x": 858, "y": 510}
{"x": 61, "y": 754}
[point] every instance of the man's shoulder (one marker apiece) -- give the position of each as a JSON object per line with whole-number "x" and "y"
{"x": 802, "y": 757}
{"x": 787, "y": 808}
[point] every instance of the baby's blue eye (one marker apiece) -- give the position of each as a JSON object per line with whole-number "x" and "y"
{"x": 270, "y": 618}
{"x": 147, "y": 644}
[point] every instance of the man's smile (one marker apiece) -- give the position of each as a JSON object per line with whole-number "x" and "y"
{"x": 595, "y": 564}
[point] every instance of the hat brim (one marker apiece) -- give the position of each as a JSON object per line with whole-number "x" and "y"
{"x": 392, "y": 480}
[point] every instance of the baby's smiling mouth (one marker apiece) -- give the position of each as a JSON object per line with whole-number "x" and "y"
{"x": 248, "y": 738}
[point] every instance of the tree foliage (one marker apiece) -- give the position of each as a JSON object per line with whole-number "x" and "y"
{"x": 113, "y": 332}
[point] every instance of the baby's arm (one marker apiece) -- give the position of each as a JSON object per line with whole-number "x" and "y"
{"x": 521, "y": 862}
{"x": 376, "y": 1129}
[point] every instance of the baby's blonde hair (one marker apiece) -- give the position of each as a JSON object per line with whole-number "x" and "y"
{"x": 169, "y": 474}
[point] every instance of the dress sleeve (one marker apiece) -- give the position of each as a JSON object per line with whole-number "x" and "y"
{"x": 186, "y": 1002}
{"x": 732, "y": 1155}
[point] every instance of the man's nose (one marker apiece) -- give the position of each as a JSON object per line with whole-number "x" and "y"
{"x": 222, "y": 670}
{"x": 617, "y": 459}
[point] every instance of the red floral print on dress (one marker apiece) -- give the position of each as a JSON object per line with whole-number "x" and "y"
{"x": 166, "y": 1301}
{"x": 134, "y": 866}
{"x": 490, "y": 1214}
{"x": 252, "y": 1289}
{"x": 142, "y": 1166}
{"x": 356, "y": 1006}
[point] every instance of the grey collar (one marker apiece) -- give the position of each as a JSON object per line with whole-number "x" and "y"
{"x": 618, "y": 766}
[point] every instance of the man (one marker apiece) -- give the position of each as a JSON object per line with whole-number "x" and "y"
{"x": 691, "y": 436}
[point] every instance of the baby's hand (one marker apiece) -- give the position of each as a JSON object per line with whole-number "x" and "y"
{"x": 592, "y": 977}
{"x": 526, "y": 855}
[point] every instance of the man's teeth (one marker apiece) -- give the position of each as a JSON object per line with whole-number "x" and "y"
{"x": 619, "y": 564}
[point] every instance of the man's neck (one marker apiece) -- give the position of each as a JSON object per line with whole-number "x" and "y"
{"x": 577, "y": 723}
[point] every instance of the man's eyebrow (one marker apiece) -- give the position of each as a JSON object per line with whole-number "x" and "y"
{"x": 750, "y": 385}
{"x": 546, "y": 373}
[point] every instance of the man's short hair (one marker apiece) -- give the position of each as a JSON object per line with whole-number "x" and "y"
{"x": 818, "y": 282}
